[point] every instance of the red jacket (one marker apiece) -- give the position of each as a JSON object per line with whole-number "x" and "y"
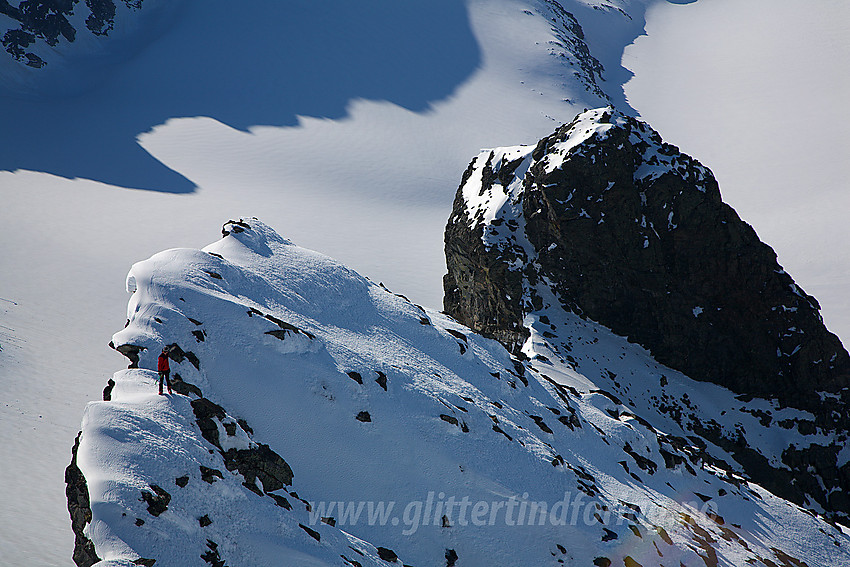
{"x": 162, "y": 364}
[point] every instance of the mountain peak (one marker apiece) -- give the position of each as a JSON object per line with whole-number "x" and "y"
{"x": 319, "y": 418}
{"x": 604, "y": 222}
{"x": 633, "y": 234}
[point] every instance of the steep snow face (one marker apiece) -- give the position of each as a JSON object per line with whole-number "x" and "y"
{"x": 411, "y": 436}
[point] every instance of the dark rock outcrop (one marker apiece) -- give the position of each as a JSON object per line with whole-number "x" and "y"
{"x": 182, "y": 387}
{"x": 234, "y": 227}
{"x": 311, "y": 532}
{"x": 107, "y": 391}
{"x": 481, "y": 290}
{"x": 130, "y": 351}
{"x": 178, "y": 355}
{"x": 79, "y": 507}
{"x": 47, "y": 21}
{"x": 257, "y": 462}
{"x": 210, "y": 475}
{"x": 157, "y": 501}
{"x": 633, "y": 234}
{"x": 206, "y": 415}
{"x": 607, "y": 220}
{"x": 261, "y": 463}
{"x": 212, "y": 555}
{"x": 387, "y": 554}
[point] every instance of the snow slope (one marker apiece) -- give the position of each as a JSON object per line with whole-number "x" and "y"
{"x": 372, "y": 170}
{"x": 370, "y": 398}
{"x": 380, "y": 178}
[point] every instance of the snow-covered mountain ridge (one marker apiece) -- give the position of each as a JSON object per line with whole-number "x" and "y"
{"x": 603, "y": 221}
{"x": 107, "y": 113}
{"x": 391, "y": 179}
{"x": 367, "y": 398}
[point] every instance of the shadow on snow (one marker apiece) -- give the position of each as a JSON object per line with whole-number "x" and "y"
{"x": 242, "y": 63}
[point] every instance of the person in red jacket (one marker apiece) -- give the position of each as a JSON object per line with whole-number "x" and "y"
{"x": 164, "y": 370}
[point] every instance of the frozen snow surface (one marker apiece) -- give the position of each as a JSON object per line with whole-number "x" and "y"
{"x": 755, "y": 90}
{"x": 372, "y": 399}
{"x": 348, "y": 147}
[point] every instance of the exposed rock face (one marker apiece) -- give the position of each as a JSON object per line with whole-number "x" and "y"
{"x": 79, "y": 506}
{"x": 612, "y": 224}
{"x": 49, "y": 22}
{"x": 130, "y": 351}
{"x": 107, "y": 391}
{"x": 633, "y": 234}
{"x": 157, "y": 500}
{"x": 481, "y": 289}
{"x": 255, "y": 462}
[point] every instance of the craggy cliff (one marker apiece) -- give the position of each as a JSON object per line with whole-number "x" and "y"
{"x": 633, "y": 234}
{"x": 604, "y": 220}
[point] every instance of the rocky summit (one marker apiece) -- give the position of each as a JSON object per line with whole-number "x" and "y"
{"x": 605, "y": 221}
{"x": 633, "y": 234}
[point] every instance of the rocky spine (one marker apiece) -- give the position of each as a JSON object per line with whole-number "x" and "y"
{"x": 79, "y": 507}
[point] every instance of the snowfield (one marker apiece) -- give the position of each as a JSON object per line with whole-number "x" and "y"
{"x": 350, "y": 163}
{"x": 762, "y": 109}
